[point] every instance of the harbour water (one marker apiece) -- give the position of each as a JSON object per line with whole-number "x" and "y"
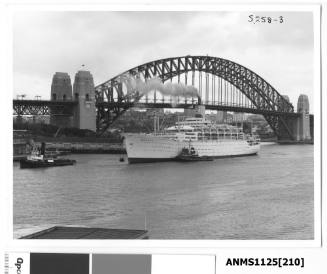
{"x": 268, "y": 196}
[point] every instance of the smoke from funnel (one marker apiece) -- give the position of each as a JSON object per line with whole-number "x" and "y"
{"x": 167, "y": 89}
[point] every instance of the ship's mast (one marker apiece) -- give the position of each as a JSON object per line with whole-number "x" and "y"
{"x": 155, "y": 123}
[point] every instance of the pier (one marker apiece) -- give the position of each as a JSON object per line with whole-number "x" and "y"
{"x": 67, "y": 232}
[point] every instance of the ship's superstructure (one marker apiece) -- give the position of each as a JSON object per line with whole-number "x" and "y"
{"x": 206, "y": 137}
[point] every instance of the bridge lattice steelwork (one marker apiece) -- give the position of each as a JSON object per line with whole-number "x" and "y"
{"x": 43, "y": 107}
{"x": 221, "y": 84}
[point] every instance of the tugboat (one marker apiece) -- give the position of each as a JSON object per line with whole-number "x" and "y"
{"x": 189, "y": 154}
{"x": 39, "y": 159}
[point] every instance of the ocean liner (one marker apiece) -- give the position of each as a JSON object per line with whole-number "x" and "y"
{"x": 207, "y": 138}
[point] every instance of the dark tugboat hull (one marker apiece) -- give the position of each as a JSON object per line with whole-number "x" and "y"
{"x": 190, "y": 155}
{"x": 193, "y": 158}
{"x": 45, "y": 163}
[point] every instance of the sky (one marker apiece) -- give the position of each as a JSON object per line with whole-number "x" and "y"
{"x": 109, "y": 43}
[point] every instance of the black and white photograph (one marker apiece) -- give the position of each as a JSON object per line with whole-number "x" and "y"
{"x": 166, "y": 124}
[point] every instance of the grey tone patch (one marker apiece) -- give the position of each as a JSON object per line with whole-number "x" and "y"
{"x": 121, "y": 264}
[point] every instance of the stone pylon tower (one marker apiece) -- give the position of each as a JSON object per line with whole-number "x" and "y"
{"x": 304, "y": 120}
{"x": 83, "y": 92}
{"x": 61, "y": 87}
{"x": 61, "y": 90}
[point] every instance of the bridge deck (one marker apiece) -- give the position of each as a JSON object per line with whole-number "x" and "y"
{"x": 44, "y": 102}
{"x": 49, "y": 103}
{"x": 207, "y": 106}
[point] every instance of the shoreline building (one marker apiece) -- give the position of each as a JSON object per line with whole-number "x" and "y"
{"x": 195, "y": 111}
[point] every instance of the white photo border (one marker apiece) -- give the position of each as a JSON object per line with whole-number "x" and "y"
{"x": 141, "y": 246}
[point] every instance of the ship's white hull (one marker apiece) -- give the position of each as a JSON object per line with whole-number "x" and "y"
{"x": 151, "y": 148}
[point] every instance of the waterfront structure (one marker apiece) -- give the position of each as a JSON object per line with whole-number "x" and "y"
{"x": 68, "y": 232}
{"x": 85, "y": 112}
{"x": 199, "y": 110}
{"x": 21, "y": 147}
{"x": 61, "y": 90}
{"x": 238, "y": 117}
{"x": 221, "y": 116}
{"x": 155, "y": 112}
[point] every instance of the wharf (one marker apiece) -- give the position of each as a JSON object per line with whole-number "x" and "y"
{"x": 291, "y": 142}
{"x": 82, "y": 145}
{"x": 67, "y": 232}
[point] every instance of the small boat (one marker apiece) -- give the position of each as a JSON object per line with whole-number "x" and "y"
{"x": 35, "y": 163}
{"x": 40, "y": 159}
{"x": 189, "y": 154}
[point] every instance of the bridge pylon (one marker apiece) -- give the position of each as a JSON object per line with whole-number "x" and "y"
{"x": 85, "y": 112}
{"x": 300, "y": 125}
{"x": 304, "y": 119}
{"x": 61, "y": 90}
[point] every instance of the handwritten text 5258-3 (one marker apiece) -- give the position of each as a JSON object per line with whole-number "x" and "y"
{"x": 256, "y": 19}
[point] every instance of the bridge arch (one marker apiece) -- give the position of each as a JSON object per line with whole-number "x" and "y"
{"x": 112, "y": 100}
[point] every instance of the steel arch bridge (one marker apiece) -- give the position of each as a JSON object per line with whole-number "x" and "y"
{"x": 226, "y": 86}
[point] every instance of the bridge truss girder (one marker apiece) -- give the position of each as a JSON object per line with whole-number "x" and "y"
{"x": 38, "y": 107}
{"x": 112, "y": 101}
